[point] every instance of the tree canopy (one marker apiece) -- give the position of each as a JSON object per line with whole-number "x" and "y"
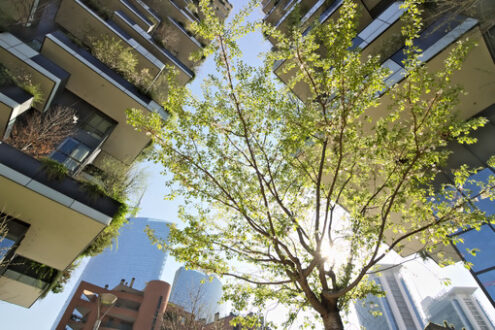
{"x": 266, "y": 177}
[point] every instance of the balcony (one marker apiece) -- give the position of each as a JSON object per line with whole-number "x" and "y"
{"x": 23, "y": 61}
{"x": 172, "y": 9}
{"x": 105, "y": 90}
{"x": 133, "y": 12}
{"x": 63, "y": 219}
{"x": 307, "y": 9}
{"x": 277, "y": 11}
{"x": 146, "y": 11}
{"x": 138, "y": 34}
{"x": 83, "y": 23}
{"x": 13, "y": 102}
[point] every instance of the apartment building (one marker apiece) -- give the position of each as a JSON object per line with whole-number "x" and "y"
{"x": 378, "y": 26}
{"x": 459, "y": 308}
{"x": 397, "y": 309}
{"x": 122, "y": 307}
{"x": 94, "y": 59}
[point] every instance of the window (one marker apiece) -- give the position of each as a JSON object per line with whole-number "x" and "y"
{"x": 97, "y": 126}
{"x": 71, "y": 153}
{"x": 487, "y": 280}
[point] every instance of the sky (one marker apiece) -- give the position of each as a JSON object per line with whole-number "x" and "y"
{"x": 423, "y": 278}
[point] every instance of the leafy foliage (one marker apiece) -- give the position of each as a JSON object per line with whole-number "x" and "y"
{"x": 53, "y": 169}
{"x": 264, "y": 174}
{"x": 114, "y": 54}
{"x": 23, "y": 79}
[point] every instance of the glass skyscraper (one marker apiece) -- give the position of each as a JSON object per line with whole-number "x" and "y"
{"x": 398, "y": 310}
{"x": 132, "y": 255}
{"x": 197, "y": 293}
{"x": 477, "y": 155}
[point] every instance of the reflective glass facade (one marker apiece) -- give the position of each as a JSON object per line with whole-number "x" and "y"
{"x": 132, "y": 256}
{"x": 476, "y": 155}
{"x": 197, "y": 293}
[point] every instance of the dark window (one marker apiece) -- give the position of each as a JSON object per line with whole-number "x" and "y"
{"x": 15, "y": 231}
{"x": 71, "y": 153}
{"x": 97, "y": 126}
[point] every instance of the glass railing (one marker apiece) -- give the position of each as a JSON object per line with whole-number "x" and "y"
{"x": 432, "y": 41}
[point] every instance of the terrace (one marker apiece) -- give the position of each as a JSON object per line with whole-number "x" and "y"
{"x": 22, "y": 61}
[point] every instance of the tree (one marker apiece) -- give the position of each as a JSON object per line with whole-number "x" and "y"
{"x": 263, "y": 174}
{"x": 37, "y": 134}
{"x": 192, "y": 317}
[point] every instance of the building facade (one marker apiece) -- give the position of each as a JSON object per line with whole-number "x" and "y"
{"x": 459, "y": 308}
{"x": 131, "y": 256}
{"x": 398, "y": 310}
{"x": 132, "y": 310}
{"x": 93, "y": 60}
{"x": 379, "y": 23}
{"x": 197, "y": 293}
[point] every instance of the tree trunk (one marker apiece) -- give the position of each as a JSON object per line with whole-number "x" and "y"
{"x": 332, "y": 320}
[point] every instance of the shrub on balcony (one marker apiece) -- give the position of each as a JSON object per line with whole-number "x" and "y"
{"x": 115, "y": 55}
{"x": 98, "y": 7}
{"x": 53, "y": 169}
{"x": 120, "y": 58}
{"x": 23, "y": 79}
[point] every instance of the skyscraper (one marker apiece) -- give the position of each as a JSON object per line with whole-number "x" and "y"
{"x": 197, "y": 293}
{"x": 398, "y": 309}
{"x": 459, "y": 308}
{"x": 132, "y": 255}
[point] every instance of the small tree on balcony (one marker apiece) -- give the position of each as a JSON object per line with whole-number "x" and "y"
{"x": 264, "y": 174}
{"x": 37, "y": 133}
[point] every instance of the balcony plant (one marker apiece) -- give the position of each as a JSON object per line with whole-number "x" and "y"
{"x": 23, "y": 79}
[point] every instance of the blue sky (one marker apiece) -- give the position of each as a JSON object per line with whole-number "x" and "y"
{"x": 44, "y": 312}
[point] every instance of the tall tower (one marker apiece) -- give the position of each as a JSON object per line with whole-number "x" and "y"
{"x": 197, "y": 293}
{"x": 459, "y": 308}
{"x": 398, "y": 309}
{"x": 132, "y": 255}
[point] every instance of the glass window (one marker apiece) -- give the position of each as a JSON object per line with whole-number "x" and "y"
{"x": 484, "y": 240}
{"x": 485, "y": 204}
{"x": 97, "y": 126}
{"x": 487, "y": 280}
{"x": 15, "y": 232}
{"x": 71, "y": 153}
